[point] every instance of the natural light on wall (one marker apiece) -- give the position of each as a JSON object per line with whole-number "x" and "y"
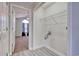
{"x": 25, "y": 21}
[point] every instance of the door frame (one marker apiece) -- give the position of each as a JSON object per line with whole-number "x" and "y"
{"x": 30, "y": 44}
{"x": 11, "y": 43}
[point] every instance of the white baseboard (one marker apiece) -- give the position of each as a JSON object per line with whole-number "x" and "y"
{"x": 55, "y": 51}
{"x": 36, "y": 47}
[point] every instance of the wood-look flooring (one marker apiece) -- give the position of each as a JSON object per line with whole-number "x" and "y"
{"x": 43, "y": 51}
{"x": 21, "y": 49}
{"x": 21, "y": 44}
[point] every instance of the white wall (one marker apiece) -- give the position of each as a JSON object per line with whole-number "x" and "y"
{"x": 37, "y": 37}
{"x": 57, "y": 25}
{"x": 31, "y": 30}
{"x": 53, "y": 19}
{"x": 18, "y": 27}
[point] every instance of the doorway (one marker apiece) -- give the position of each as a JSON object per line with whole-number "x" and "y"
{"x": 20, "y": 43}
{"x": 25, "y": 28}
{"x": 22, "y": 40}
{"x": 21, "y": 31}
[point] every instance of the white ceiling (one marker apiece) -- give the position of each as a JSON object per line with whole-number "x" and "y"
{"x": 21, "y": 12}
{"x": 23, "y": 8}
{"x": 29, "y": 5}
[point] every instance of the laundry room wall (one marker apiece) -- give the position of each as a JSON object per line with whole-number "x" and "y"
{"x": 37, "y": 34}
{"x": 50, "y": 27}
{"x": 18, "y": 27}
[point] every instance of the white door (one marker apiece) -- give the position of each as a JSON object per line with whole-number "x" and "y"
{"x": 5, "y": 31}
{"x": 0, "y": 35}
{"x": 1, "y": 29}
{"x": 12, "y": 29}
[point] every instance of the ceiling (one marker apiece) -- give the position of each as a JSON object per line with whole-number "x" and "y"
{"x": 23, "y": 9}
{"x": 21, "y": 12}
{"x": 29, "y": 5}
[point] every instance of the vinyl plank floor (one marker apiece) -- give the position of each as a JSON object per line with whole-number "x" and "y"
{"x": 43, "y": 51}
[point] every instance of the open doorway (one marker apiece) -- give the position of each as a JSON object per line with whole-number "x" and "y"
{"x": 22, "y": 42}
{"x": 22, "y": 39}
{"x": 21, "y": 30}
{"x": 21, "y": 11}
{"x": 25, "y": 28}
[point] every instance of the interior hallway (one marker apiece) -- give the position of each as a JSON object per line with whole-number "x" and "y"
{"x": 53, "y": 25}
{"x": 21, "y": 44}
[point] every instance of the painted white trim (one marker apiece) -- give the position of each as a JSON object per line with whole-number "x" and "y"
{"x": 55, "y": 51}
{"x": 27, "y": 9}
{"x": 36, "y": 47}
{"x": 47, "y": 4}
{"x": 38, "y": 5}
{"x": 17, "y": 6}
{"x": 69, "y": 49}
{"x": 43, "y": 4}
